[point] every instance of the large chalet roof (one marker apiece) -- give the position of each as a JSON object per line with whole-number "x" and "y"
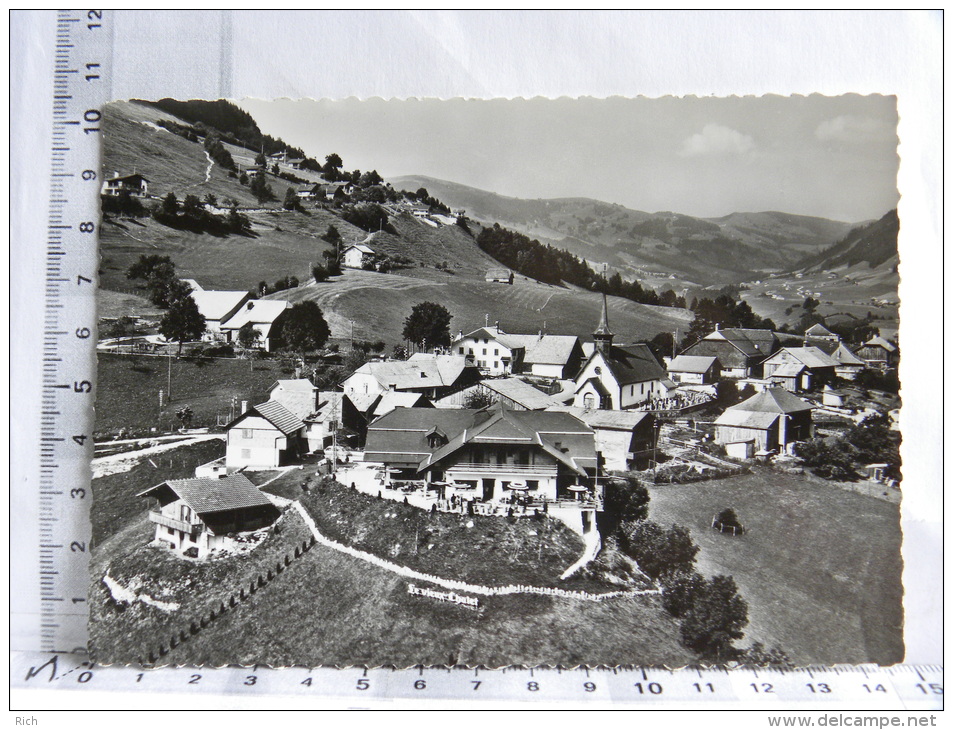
{"x": 396, "y": 399}
{"x": 878, "y": 341}
{"x": 691, "y": 364}
{"x": 773, "y": 400}
{"x": 400, "y": 437}
{"x": 751, "y": 342}
{"x": 420, "y": 371}
{"x": 276, "y": 414}
{"x": 843, "y": 356}
{"x": 519, "y": 392}
{"x": 257, "y": 311}
{"x": 810, "y": 357}
{"x": 359, "y": 247}
{"x": 633, "y": 364}
{"x": 610, "y": 420}
{"x": 298, "y": 396}
{"x": 547, "y": 349}
{"x": 818, "y": 330}
{"x": 217, "y": 305}
{"x": 212, "y": 494}
{"x": 131, "y": 178}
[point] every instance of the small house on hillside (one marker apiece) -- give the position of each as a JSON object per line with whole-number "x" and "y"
{"x": 265, "y": 316}
{"x": 203, "y": 514}
{"x": 767, "y": 421}
{"x": 265, "y": 436}
{"x": 878, "y": 353}
{"x": 308, "y": 191}
{"x": 218, "y": 307}
{"x": 818, "y": 332}
{"x": 694, "y": 369}
{"x": 356, "y": 255}
{"x": 500, "y": 276}
{"x": 135, "y": 185}
{"x": 799, "y": 369}
{"x": 740, "y": 351}
{"x": 295, "y": 163}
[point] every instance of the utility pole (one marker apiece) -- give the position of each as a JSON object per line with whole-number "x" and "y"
{"x": 170, "y": 378}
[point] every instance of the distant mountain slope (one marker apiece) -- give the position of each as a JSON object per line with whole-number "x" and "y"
{"x": 874, "y": 244}
{"x": 663, "y": 249}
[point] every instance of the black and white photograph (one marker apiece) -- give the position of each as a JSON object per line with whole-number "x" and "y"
{"x": 537, "y": 382}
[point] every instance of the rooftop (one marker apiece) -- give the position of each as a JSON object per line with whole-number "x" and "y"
{"x": 214, "y": 494}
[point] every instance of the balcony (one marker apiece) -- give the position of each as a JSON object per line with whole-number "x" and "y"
{"x": 546, "y": 470}
{"x": 189, "y": 528}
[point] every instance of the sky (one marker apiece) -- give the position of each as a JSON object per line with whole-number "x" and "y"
{"x": 832, "y": 157}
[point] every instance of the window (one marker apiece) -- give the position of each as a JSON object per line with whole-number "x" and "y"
{"x": 470, "y": 351}
{"x": 170, "y": 531}
{"x": 496, "y": 364}
{"x": 247, "y": 433}
{"x": 589, "y": 401}
{"x": 533, "y": 484}
{"x": 461, "y": 350}
{"x": 496, "y": 351}
{"x": 598, "y": 370}
{"x": 484, "y": 351}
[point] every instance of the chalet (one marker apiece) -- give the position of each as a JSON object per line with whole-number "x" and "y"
{"x": 356, "y": 255}
{"x": 617, "y": 378}
{"x": 878, "y": 353}
{"x": 694, "y": 369}
{"x": 767, "y": 421}
{"x": 512, "y": 392}
{"x": 800, "y": 369}
{"x": 306, "y": 192}
{"x": 299, "y": 396}
{"x": 334, "y": 413}
{"x": 218, "y": 307}
{"x": 497, "y": 352}
{"x": 197, "y": 516}
{"x": 494, "y": 453}
{"x": 739, "y": 351}
{"x": 500, "y": 276}
{"x": 295, "y": 163}
{"x": 336, "y": 190}
{"x": 255, "y": 170}
{"x": 135, "y": 185}
{"x": 848, "y": 364}
{"x": 265, "y": 316}
{"x": 818, "y": 332}
{"x": 434, "y": 376}
{"x": 278, "y": 156}
{"x": 624, "y": 439}
{"x": 265, "y": 436}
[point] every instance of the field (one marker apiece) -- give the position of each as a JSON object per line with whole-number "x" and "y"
{"x": 129, "y": 385}
{"x": 819, "y": 566}
{"x": 115, "y": 504}
{"x": 377, "y": 304}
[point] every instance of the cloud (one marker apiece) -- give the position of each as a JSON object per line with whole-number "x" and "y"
{"x": 850, "y": 128}
{"x": 714, "y": 140}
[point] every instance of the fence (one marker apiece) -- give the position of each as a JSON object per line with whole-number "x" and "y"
{"x": 227, "y": 604}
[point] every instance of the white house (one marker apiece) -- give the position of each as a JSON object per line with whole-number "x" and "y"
{"x": 694, "y": 369}
{"x": 217, "y": 307}
{"x": 500, "y": 276}
{"x": 263, "y": 314}
{"x": 136, "y": 185}
{"x": 497, "y": 352}
{"x": 264, "y": 436}
{"x": 434, "y": 376}
{"x": 768, "y": 421}
{"x": 355, "y": 255}
{"x": 201, "y": 515}
{"x": 617, "y": 378}
{"x": 624, "y": 439}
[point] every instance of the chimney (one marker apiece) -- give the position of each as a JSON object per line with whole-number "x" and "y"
{"x": 244, "y": 406}
{"x": 460, "y": 336}
{"x": 717, "y": 326}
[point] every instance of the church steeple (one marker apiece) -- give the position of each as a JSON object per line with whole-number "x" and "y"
{"x": 603, "y": 335}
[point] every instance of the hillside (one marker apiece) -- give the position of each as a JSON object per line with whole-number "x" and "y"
{"x": 663, "y": 249}
{"x": 873, "y": 245}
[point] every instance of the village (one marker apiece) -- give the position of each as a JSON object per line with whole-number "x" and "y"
{"x": 548, "y": 441}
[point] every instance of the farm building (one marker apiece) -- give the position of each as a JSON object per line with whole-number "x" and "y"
{"x": 624, "y": 439}
{"x": 299, "y": 395}
{"x": 818, "y": 332}
{"x": 295, "y": 163}
{"x": 265, "y": 436}
{"x": 800, "y": 369}
{"x": 500, "y": 276}
{"x": 493, "y": 453}
{"x": 355, "y": 255}
{"x": 767, "y": 421}
{"x": 263, "y": 314}
{"x": 218, "y": 307}
{"x": 201, "y": 514}
{"x": 333, "y": 413}
{"x": 617, "y": 378}
{"x": 694, "y": 369}
{"x": 878, "y": 353}
{"x": 135, "y": 185}
{"x": 434, "y": 376}
{"x": 512, "y": 392}
{"x": 308, "y": 191}
{"x": 739, "y": 351}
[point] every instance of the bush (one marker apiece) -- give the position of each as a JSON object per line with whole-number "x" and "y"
{"x": 679, "y": 591}
{"x": 626, "y": 500}
{"x": 125, "y": 326}
{"x": 728, "y": 518}
{"x": 658, "y": 550}
{"x": 757, "y": 656}
{"x": 715, "y": 619}
{"x": 830, "y": 458}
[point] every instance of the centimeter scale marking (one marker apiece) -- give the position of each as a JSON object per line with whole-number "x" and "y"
{"x": 69, "y": 328}
{"x": 868, "y": 688}
{"x": 80, "y": 71}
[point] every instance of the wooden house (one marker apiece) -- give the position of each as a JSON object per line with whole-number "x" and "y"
{"x": 694, "y": 369}
{"x": 878, "y": 353}
{"x": 800, "y": 369}
{"x": 265, "y": 436}
{"x": 197, "y": 516}
{"x": 135, "y": 185}
{"x": 740, "y": 351}
{"x": 767, "y": 421}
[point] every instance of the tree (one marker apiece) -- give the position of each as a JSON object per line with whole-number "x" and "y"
{"x": 626, "y": 501}
{"x": 679, "y": 591}
{"x": 260, "y": 159}
{"x": 659, "y": 550}
{"x": 422, "y": 194}
{"x": 210, "y": 199}
{"x": 715, "y": 619}
{"x": 333, "y": 162}
{"x": 319, "y": 272}
{"x": 428, "y": 325}
{"x": 170, "y": 204}
{"x": 478, "y": 399}
{"x": 333, "y": 235}
{"x": 192, "y": 206}
{"x": 183, "y": 322}
{"x": 303, "y": 328}
{"x": 185, "y": 416}
{"x": 158, "y": 273}
{"x": 248, "y": 336}
{"x": 275, "y": 170}
{"x": 291, "y": 199}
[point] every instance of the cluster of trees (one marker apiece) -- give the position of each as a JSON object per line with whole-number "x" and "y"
{"x": 192, "y": 215}
{"x": 286, "y": 282}
{"x": 125, "y": 204}
{"x": 182, "y": 321}
{"x": 369, "y": 217}
{"x": 723, "y": 310}
{"x": 428, "y": 325}
{"x": 216, "y": 150}
{"x": 838, "y": 457}
{"x": 422, "y": 196}
{"x": 554, "y": 266}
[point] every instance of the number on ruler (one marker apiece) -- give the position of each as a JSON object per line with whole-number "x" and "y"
{"x": 653, "y": 688}
{"x": 92, "y": 116}
{"x": 935, "y": 688}
{"x": 94, "y": 15}
{"x": 90, "y": 67}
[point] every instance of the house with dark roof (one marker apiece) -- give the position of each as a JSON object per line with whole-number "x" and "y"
{"x": 878, "y": 353}
{"x": 492, "y": 454}
{"x": 624, "y": 439}
{"x": 196, "y": 516}
{"x": 800, "y": 369}
{"x": 739, "y": 351}
{"x": 618, "y": 377}
{"x": 135, "y": 185}
{"x": 265, "y": 436}
{"x": 694, "y": 369}
{"x": 771, "y": 420}
{"x": 512, "y": 392}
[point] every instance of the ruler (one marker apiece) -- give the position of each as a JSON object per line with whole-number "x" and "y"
{"x": 80, "y": 84}
{"x": 82, "y": 47}
{"x": 869, "y": 687}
